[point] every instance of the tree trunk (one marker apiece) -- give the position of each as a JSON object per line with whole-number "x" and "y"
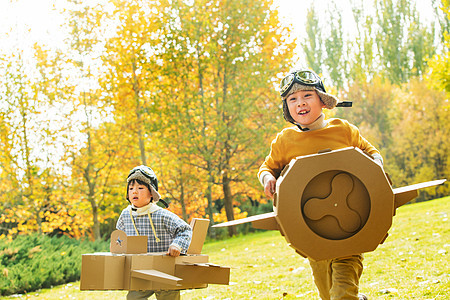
{"x": 137, "y": 98}
{"x": 210, "y": 210}
{"x": 183, "y": 205}
{"x": 228, "y": 201}
{"x": 96, "y": 225}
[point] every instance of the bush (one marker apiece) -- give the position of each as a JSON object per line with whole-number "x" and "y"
{"x": 31, "y": 262}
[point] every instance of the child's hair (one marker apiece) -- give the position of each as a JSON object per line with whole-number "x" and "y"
{"x": 133, "y": 181}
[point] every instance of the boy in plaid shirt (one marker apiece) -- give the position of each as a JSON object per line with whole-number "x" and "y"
{"x": 165, "y": 230}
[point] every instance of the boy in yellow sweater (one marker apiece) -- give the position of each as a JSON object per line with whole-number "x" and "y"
{"x": 304, "y": 97}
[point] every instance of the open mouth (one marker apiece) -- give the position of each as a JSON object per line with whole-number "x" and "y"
{"x": 303, "y": 112}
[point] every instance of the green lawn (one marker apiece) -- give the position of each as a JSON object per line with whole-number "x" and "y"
{"x": 413, "y": 263}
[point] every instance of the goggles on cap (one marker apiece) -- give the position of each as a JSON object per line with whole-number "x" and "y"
{"x": 147, "y": 172}
{"x": 304, "y": 77}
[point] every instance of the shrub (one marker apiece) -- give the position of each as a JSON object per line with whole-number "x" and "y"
{"x": 31, "y": 262}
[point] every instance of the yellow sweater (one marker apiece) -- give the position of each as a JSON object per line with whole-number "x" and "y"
{"x": 292, "y": 142}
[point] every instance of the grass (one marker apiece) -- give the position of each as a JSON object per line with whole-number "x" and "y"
{"x": 412, "y": 263}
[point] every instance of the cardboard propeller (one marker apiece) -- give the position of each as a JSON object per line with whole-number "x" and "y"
{"x": 333, "y": 204}
{"x": 129, "y": 267}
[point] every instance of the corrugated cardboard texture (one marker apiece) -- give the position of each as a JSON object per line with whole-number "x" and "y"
{"x": 199, "y": 232}
{"x": 161, "y": 263}
{"x": 150, "y": 271}
{"x": 107, "y": 271}
{"x": 335, "y": 208}
{"x": 208, "y": 273}
{"x": 333, "y": 204}
{"x": 121, "y": 243}
{"x": 156, "y": 276}
{"x": 102, "y": 271}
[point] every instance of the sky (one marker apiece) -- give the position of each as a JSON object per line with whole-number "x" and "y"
{"x": 35, "y": 17}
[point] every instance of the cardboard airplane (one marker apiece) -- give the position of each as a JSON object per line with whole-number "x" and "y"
{"x": 129, "y": 267}
{"x": 333, "y": 204}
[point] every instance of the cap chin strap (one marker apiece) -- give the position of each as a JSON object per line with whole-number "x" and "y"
{"x": 302, "y": 128}
{"x": 149, "y": 208}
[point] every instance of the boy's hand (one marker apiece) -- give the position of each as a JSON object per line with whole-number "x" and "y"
{"x": 174, "y": 251}
{"x": 269, "y": 185}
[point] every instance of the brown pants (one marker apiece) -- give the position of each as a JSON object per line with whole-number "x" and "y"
{"x": 160, "y": 295}
{"x": 338, "y": 279}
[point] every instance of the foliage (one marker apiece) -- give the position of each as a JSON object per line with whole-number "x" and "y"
{"x": 313, "y": 46}
{"x": 390, "y": 39}
{"x": 188, "y": 87}
{"x": 220, "y": 101}
{"x": 336, "y": 60}
{"x": 440, "y": 63}
{"x": 32, "y": 262}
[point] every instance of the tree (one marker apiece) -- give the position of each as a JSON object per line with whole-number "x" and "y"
{"x": 372, "y": 105}
{"x": 132, "y": 73}
{"x": 419, "y": 155}
{"x": 19, "y": 112}
{"x": 313, "y": 46}
{"x": 400, "y": 37}
{"x": 225, "y": 59}
{"x": 440, "y": 63}
{"x": 441, "y": 9}
{"x": 96, "y": 145}
{"x": 391, "y": 38}
{"x": 362, "y": 65}
{"x": 421, "y": 45}
{"x": 335, "y": 60}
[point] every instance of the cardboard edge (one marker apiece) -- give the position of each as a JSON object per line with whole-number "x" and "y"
{"x": 266, "y": 224}
{"x": 256, "y": 218}
{"x": 405, "y": 194}
{"x": 308, "y": 243}
{"x": 199, "y": 232}
{"x": 156, "y": 276}
{"x": 203, "y": 272}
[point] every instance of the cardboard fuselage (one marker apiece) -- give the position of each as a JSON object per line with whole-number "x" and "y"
{"x": 129, "y": 267}
{"x": 333, "y": 204}
{"x": 150, "y": 271}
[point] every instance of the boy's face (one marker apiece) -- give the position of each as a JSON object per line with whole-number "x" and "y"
{"x": 139, "y": 194}
{"x": 305, "y": 106}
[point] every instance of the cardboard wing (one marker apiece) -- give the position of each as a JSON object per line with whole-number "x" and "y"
{"x": 405, "y": 194}
{"x": 263, "y": 221}
{"x": 342, "y": 205}
{"x": 129, "y": 267}
{"x": 156, "y": 276}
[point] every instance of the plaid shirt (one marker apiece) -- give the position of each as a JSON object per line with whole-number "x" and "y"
{"x": 170, "y": 229}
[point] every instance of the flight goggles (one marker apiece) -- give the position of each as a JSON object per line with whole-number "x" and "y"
{"x": 304, "y": 77}
{"x": 146, "y": 171}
